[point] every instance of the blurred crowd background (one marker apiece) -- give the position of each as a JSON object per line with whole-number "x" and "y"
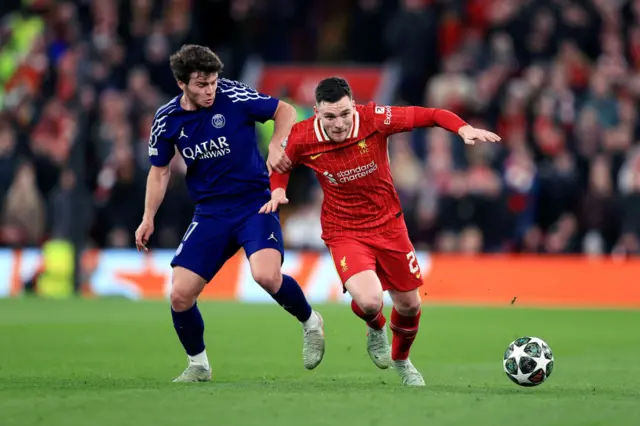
{"x": 559, "y": 80}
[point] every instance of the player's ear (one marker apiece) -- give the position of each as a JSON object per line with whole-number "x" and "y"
{"x": 182, "y": 85}
{"x": 353, "y": 103}
{"x": 315, "y": 111}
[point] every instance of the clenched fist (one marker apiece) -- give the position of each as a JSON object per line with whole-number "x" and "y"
{"x": 277, "y": 159}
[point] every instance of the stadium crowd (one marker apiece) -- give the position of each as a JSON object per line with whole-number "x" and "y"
{"x": 559, "y": 80}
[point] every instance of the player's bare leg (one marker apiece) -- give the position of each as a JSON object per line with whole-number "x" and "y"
{"x": 265, "y": 269}
{"x": 405, "y": 319}
{"x": 366, "y": 290}
{"x": 187, "y": 320}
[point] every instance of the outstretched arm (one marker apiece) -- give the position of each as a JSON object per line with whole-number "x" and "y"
{"x": 431, "y": 117}
{"x": 428, "y": 117}
{"x": 402, "y": 119}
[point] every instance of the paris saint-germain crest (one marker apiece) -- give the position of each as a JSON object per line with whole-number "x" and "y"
{"x": 218, "y": 121}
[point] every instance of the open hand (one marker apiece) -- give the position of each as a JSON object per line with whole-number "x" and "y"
{"x": 278, "y": 197}
{"x": 471, "y": 135}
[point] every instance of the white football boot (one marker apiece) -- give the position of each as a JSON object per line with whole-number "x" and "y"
{"x": 378, "y": 347}
{"x": 408, "y": 373}
{"x": 313, "y": 343}
{"x": 194, "y": 373}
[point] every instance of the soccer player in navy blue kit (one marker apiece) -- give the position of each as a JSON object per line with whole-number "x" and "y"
{"x": 212, "y": 125}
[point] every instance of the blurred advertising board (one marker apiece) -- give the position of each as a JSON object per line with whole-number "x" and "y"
{"x": 545, "y": 281}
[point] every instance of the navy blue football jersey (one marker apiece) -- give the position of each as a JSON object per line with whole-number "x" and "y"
{"x": 225, "y": 170}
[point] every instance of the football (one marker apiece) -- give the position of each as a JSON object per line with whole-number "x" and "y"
{"x": 528, "y": 361}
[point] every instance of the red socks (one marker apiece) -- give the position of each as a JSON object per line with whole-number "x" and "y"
{"x": 404, "y": 332}
{"x": 404, "y": 329}
{"x": 375, "y": 321}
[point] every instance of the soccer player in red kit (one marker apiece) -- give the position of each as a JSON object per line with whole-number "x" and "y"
{"x": 362, "y": 223}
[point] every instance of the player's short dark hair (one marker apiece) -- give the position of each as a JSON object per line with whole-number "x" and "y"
{"x": 332, "y": 89}
{"x": 194, "y": 58}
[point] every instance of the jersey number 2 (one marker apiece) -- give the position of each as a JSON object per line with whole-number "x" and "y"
{"x": 413, "y": 262}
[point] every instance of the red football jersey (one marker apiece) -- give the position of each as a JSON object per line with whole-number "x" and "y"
{"x": 359, "y": 195}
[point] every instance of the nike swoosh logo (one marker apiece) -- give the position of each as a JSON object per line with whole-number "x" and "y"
{"x": 313, "y": 157}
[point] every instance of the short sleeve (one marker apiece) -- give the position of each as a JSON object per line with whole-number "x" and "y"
{"x": 393, "y": 119}
{"x": 161, "y": 148}
{"x": 258, "y": 106}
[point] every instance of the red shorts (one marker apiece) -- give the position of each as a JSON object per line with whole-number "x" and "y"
{"x": 390, "y": 255}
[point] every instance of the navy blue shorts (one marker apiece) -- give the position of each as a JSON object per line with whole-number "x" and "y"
{"x": 210, "y": 241}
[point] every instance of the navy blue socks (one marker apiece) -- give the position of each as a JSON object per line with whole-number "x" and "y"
{"x": 292, "y": 299}
{"x": 190, "y": 328}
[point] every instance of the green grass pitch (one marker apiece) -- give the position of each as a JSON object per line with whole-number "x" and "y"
{"x": 111, "y": 362}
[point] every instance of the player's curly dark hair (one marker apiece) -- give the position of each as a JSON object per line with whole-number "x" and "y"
{"x": 194, "y": 58}
{"x": 332, "y": 89}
